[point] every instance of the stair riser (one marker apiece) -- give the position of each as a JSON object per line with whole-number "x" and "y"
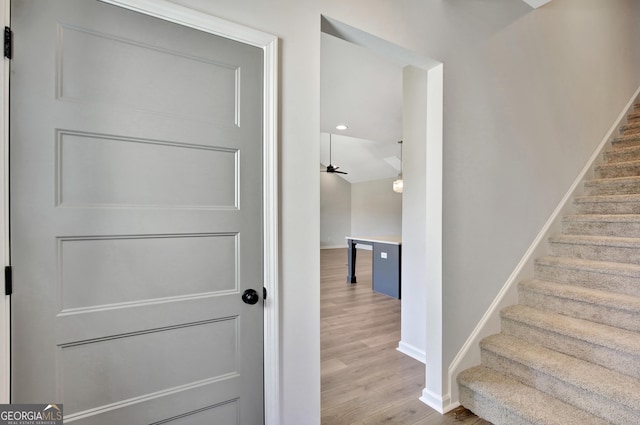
{"x": 616, "y": 254}
{"x": 579, "y": 309}
{"x": 629, "y": 285}
{"x": 625, "y": 142}
{"x": 581, "y": 349}
{"x": 591, "y": 402}
{"x": 622, "y": 155}
{"x": 602, "y": 228}
{"x": 607, "y": 187}
{"x": 618, "y": 170}
{"x": 631, "y": 128}
{"x": 633, "y": 117}
{"x": 583, "y": 207}
{"x": 489, "y": 409}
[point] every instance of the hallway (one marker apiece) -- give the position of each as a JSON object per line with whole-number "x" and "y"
{"x": 365, "y": 380}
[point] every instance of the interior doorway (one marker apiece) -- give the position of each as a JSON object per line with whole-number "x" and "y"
{"x": 422, "y": 110}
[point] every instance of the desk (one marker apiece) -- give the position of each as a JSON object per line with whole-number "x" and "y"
{"x": 387, "y": 253}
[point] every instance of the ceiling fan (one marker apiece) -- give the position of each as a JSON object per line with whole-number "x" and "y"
{"x": 330, "y": 167}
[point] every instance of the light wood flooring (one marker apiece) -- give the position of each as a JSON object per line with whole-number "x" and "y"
{"x": 365, "y": 380}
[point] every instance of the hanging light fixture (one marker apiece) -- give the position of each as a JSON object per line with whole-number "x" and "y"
{"x": 398, "y": 183}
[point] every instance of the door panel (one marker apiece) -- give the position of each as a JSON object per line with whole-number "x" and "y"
{"x": 136, "y": 217}
{"x": 147, "y": 173}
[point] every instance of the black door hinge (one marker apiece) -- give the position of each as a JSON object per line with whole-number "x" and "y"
{"x": 8, "y": 43}
{"x": 8, "y": 280}
{"x": 264, "y": 293}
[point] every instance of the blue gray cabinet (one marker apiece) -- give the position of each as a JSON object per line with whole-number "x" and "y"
{"x": 387, "y": 257}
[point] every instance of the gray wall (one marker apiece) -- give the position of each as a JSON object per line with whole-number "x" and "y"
{"x": 376, "y": 210}
{"x": 335, "y": 211}
{"x": 528, "y": 96}
{"x": 414, "y": 243}
{"x": 369, "y": 208}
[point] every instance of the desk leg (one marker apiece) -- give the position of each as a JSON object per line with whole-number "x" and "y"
{"x": 351, "y": 262}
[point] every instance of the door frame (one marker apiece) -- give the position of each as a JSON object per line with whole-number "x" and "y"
{"x": 211, "y": 24}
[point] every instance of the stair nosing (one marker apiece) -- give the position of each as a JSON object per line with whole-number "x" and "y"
{"x": 607, "y": 241}
{"x": 610, "y": 218}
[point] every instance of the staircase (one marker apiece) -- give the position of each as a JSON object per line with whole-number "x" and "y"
{"x": 569, "y": 353}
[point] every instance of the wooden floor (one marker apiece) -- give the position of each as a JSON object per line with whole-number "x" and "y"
{"x": 365, "y": 380}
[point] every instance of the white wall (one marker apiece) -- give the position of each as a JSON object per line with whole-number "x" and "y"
{"x": 414, "y": 248}
{"x": 369, "y": 208}
{"x": 528, "y": 95}
{"x": 335, "y": 211}
{"x": 376, "y": 210}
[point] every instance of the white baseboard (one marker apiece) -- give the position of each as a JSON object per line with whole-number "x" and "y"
{"x": 412, "y": 351}
{"x": 469, "y": 354}
{"x": 441, "y": 405}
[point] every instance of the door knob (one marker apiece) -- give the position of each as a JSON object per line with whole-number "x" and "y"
{"x": 250, "y": 296}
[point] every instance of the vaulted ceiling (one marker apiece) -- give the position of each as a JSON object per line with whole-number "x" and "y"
{"x": 363, "y": 90}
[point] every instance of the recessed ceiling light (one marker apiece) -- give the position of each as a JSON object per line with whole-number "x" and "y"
{"x": 341, "y": 127}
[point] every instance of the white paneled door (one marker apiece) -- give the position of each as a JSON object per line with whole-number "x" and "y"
{"x": 136, "y": 217}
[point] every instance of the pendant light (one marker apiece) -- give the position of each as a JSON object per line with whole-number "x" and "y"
{"x": 398, "y": 183}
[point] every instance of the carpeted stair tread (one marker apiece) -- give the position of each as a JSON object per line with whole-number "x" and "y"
{"x": 602, "y": 224}
{"x": 620, "y": 218}
{"x": 607, "y": 336}
{"x": 630, "y": 127}
{"x": 608, "y": 204}
{"x": 604, "y": 275}
{"x": 595, "y": 389}
{"x": 625, "y": 141}
{"x": 605, "y": 267}
{"x": 613, "y": 186}
{"x": 604, "y": 307}
{"x": 602, "y": 241}
{"x": 611, "y": 347}
{"x": 504, "y": 401}
{"x": 618, "y": 169}
{"x": 599, "y": 248}
{"x": 633, "y": 116}
{"x": 622, "y": 154}
{"x": 630, "y": 197}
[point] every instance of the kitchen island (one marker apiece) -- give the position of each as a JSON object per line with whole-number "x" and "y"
{"x": 387, "y": 256}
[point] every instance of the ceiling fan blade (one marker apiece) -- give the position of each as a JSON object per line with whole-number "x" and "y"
{"x": 330, "y": 167}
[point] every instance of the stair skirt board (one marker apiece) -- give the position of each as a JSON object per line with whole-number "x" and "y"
{"x": 585, "y": 264}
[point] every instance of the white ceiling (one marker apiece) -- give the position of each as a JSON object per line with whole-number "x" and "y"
{"x": 363, "y": 90}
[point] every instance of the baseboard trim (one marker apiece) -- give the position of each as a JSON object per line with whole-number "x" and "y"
{"x": 413, "y": 352}
{"x": 441, "y": 405}
{"x": 469, "y": 354}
